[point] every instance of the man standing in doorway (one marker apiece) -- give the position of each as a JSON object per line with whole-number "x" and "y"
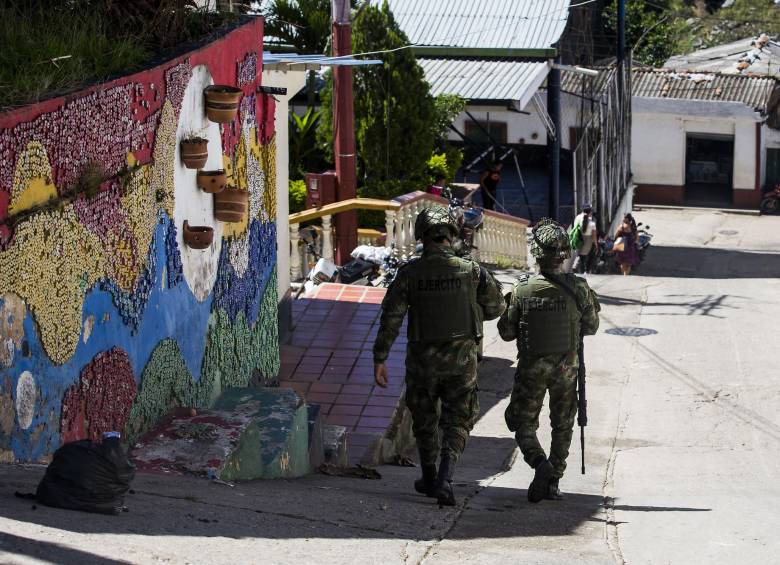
{"x": 547, "y": 314}
{"x": 447, "y": 297}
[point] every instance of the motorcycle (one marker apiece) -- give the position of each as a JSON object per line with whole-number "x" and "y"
{"x": 770, "y": 201}
{"x": 644, "y": 237}
{"x": 469, "y": 219}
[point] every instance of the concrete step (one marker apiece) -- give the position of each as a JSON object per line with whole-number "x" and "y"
{"x": 250, "y": 433}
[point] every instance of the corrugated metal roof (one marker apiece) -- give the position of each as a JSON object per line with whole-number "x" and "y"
{"x": 503, "y": 24}
{"x": 747, "y": 57}
{"x": 575, "y": 83}
{"x": 477, "y": 79}
{"x": 754, "y": 92}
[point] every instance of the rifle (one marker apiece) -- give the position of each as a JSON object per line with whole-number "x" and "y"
{"x": 582, "y": 403}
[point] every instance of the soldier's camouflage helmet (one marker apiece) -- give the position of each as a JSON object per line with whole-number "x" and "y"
{"x": 435, "y": 222}
{"x": 550, "y": 240}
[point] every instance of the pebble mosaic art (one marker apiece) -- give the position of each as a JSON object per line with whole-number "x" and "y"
{"x": 64, "y": 248}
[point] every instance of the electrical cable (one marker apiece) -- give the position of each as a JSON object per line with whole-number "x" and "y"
{"x": 442, "y": 41}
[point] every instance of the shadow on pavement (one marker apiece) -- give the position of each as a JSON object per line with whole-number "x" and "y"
{"x": 692, "y": 304}
{"x": 50, "y": 552}
{"x": 702, "y": 263}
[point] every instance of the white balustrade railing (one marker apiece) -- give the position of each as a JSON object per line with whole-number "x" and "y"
{"x": 502, "y": 239}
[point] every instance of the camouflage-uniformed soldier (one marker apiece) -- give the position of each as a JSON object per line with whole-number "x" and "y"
{"x": 447, "y": 297}
{"x": 546, "y": 314}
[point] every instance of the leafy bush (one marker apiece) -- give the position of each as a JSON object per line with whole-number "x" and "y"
{"x": 444, "y": 164}
{"x": 297, "y": 196}
{"x": 383, "y": 190}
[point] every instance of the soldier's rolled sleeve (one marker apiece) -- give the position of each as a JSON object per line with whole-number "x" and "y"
{"x": 590, "y": 318}
{"x": 394, "y": 308}
{"x": 489, "y": 295}
{"x": 507, "y": 323}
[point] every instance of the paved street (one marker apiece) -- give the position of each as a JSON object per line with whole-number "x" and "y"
{"x": 682, "y": 448}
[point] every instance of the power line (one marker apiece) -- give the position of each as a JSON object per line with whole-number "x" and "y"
{"x": 442, "y": 41}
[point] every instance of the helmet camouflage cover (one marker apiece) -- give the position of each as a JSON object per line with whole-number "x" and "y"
{"x": 550, "y": 240}
{"x": 435, "y": 222}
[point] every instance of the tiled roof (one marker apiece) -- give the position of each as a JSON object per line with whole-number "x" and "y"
{"x": 503, "y": 24}
{"x": 478, "y": 79}
{"x": 754, "y": 92}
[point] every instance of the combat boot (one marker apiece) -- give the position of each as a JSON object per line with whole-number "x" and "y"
{"x": 553, "y": 491}
{"x": 443, "y": 490}
{"x": 538, "y": 488}
{"x": 427, "y": 484}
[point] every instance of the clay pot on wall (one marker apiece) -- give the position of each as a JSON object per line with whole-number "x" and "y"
{"x": 222, "y": 102}
{"x": 212, "y": 181}
{"x": 194, "y": 152}
{"x": 197, "y": 237}
{"x": 231, "y": 205}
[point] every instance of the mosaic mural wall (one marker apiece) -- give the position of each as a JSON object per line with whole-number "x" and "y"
{"x": 108, "y": 319}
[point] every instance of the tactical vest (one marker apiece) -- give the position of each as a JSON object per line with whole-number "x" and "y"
{"x": 442, "y": 300}
{"x": 549, "y": 319}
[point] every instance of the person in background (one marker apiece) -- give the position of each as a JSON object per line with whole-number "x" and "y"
{"x": 629, "y": 256}
{"x": 488, "y": 184}
{"x": 438, "y": 185}
{"x": 583, "y": 237}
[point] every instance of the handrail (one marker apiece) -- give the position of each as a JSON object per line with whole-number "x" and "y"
{"x": 343, "y": 206}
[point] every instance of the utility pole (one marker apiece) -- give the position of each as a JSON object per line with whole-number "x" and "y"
{"x": 554, "y": 142}
{"x": 621, "y": 46}
{"x": 344, "y": 131}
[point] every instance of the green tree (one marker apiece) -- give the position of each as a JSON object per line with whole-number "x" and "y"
{"x": 395, "y": 115}
{"x": 304, "y": 24}
{"x": 304, "y": 153}
{"x": 652, "y": 32}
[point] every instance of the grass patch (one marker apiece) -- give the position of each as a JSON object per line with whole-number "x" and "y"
{"x": 51, "y": 48}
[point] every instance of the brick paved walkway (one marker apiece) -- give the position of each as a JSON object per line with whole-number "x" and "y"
{"x": 329, "y": 361}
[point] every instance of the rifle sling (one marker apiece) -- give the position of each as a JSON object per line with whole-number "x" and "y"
{"x": 565, "y": 288}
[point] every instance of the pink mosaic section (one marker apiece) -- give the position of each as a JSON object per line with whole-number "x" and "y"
{"x": 329, "y": 361}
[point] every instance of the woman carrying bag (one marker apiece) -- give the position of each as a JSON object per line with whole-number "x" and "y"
{"x": 625, "y": 247}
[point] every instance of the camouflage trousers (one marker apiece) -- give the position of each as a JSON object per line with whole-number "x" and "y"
{"x": 442, "y": 398}
{"x": 556, "y": 374}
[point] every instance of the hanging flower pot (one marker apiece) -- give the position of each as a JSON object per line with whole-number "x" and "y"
{"x": 194, "y": 152}
{"x": 231, "y": 205}
{"x": 197, "y": 237}
{"x": 212, "y": 181}
{"x": 222, "y": 102}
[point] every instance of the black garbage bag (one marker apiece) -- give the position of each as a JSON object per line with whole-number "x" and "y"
{"x": 89, "y": 476}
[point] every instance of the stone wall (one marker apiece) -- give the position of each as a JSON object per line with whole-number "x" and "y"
{"x": 107, "y": 319}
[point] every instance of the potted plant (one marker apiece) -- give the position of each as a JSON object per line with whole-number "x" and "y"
{"x": 222, "y": 102}
{"x": 194, "y": 151}
{"x": 212, "y": 181}
{"x": 197, "y": 237}
{"x": 231, "y": 205}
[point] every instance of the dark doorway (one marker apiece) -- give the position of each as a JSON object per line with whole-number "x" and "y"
{"x": 709, "y": 166}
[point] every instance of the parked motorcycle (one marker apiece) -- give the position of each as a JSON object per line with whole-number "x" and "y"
{"x": 770, "y": 202}
{"x": 644, "y": 238}
{"x": 469, "y": 219}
